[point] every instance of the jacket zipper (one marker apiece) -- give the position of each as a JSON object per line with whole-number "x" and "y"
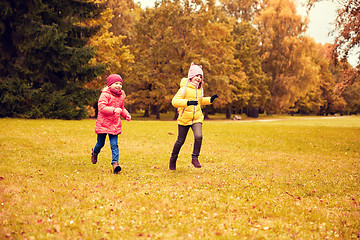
{"x": 182, "y": 112}
{"x": 192, "y": 121}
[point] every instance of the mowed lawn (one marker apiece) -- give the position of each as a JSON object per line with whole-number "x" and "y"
{"x": 296, "y": 178}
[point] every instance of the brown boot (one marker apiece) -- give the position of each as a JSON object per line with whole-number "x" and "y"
{"x": 116, "y": 167}
{"x": 93, "y": 157}
{"x": 196, "y": 162}
{"x": 172, "y": 164}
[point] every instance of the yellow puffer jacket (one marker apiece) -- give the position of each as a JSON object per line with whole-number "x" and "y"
{"x": 188, "y": 115}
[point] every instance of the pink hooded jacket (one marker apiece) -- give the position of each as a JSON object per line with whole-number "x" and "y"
{"x": 108, "y": 121}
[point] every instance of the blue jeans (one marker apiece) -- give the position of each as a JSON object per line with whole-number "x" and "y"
{"x": 113, "y": 144}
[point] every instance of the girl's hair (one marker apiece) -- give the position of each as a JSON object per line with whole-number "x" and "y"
{"x": 105, "y": 88}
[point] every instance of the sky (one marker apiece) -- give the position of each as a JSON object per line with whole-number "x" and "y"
{"x": 321, "y": 22}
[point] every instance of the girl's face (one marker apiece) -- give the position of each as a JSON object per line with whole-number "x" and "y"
{"x": 117, "y": 86}
{"x": 196, "y": 80}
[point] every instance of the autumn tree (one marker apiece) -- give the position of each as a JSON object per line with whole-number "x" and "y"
{"x": 320, "y": 98}
{"x": 243, "y": 10}
{"x": 171, "y": 36}
{"x": 284, "y": 52}
{"x": 216, "y": 48}
{"x": 347, "y": 27}
{"x": 157, "y": 57}
{"x": 126, "y": 14}
{"x": 111, "y": 48}
{"x": 255, "y": 88}
{"x": 254, "y": 92}
{"x": 352, "y": 97}
{"x": 347, "y": 39}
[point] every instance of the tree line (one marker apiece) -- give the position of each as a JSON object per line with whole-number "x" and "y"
{"x": 56, "y": 54}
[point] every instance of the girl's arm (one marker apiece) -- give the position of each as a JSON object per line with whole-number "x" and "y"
{"x": 124, "y": 112}
{"x": 205, "y": 101}
{"x": 103, "y": 104}
{"x": 178, "y": 100}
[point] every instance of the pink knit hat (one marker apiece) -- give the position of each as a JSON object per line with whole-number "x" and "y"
{"x": 195, "y": 70}
{"x": 112, "y": 79}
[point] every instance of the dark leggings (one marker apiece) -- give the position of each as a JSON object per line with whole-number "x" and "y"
{"x": 182, "y": 133}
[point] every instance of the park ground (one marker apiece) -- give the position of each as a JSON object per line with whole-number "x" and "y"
{"x": 277, "y": 178}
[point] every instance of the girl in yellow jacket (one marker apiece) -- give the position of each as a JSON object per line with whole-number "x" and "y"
{"x": 188, "y": 101}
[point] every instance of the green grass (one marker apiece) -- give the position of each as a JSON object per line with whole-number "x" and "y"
{"x": 296, "y": 178}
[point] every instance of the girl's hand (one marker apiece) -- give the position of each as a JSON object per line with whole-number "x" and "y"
{"x": 192, "y": 103}
{"x": 117, "y": 111}
{"x": 128, "y": 118}
{"x": 213, "y": 97}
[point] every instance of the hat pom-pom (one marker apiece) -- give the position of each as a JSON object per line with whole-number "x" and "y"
{"x": 192, "y": 64}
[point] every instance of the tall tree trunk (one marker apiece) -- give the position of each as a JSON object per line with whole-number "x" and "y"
{"x": 228, "y": 111}
{"x": 157, "y": 111}
{"x": 206, "y": 112}
{"x": 146, "y": 113}
{"x": 252, "y": 112}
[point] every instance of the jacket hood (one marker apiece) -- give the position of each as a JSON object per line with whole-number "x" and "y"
{"x": 183, "y": 82}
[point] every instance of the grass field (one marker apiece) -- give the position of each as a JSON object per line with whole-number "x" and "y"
{"x": 297, "y": 178}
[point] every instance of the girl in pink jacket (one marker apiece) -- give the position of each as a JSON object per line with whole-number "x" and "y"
{"x": 111, "y": 107}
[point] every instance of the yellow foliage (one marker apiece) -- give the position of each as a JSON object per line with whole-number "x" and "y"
{"x": 111, "y": 51}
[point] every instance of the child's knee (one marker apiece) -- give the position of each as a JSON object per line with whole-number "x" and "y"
{"x": 100, "y": 144}
{"x": 198, "y": 137}
{"x": 180, "y": 141}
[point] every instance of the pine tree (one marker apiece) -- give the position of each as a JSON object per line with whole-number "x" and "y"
{"x": 44, "y": 61}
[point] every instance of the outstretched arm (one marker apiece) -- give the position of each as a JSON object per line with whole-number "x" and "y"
{"x": 208, "y": 100}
